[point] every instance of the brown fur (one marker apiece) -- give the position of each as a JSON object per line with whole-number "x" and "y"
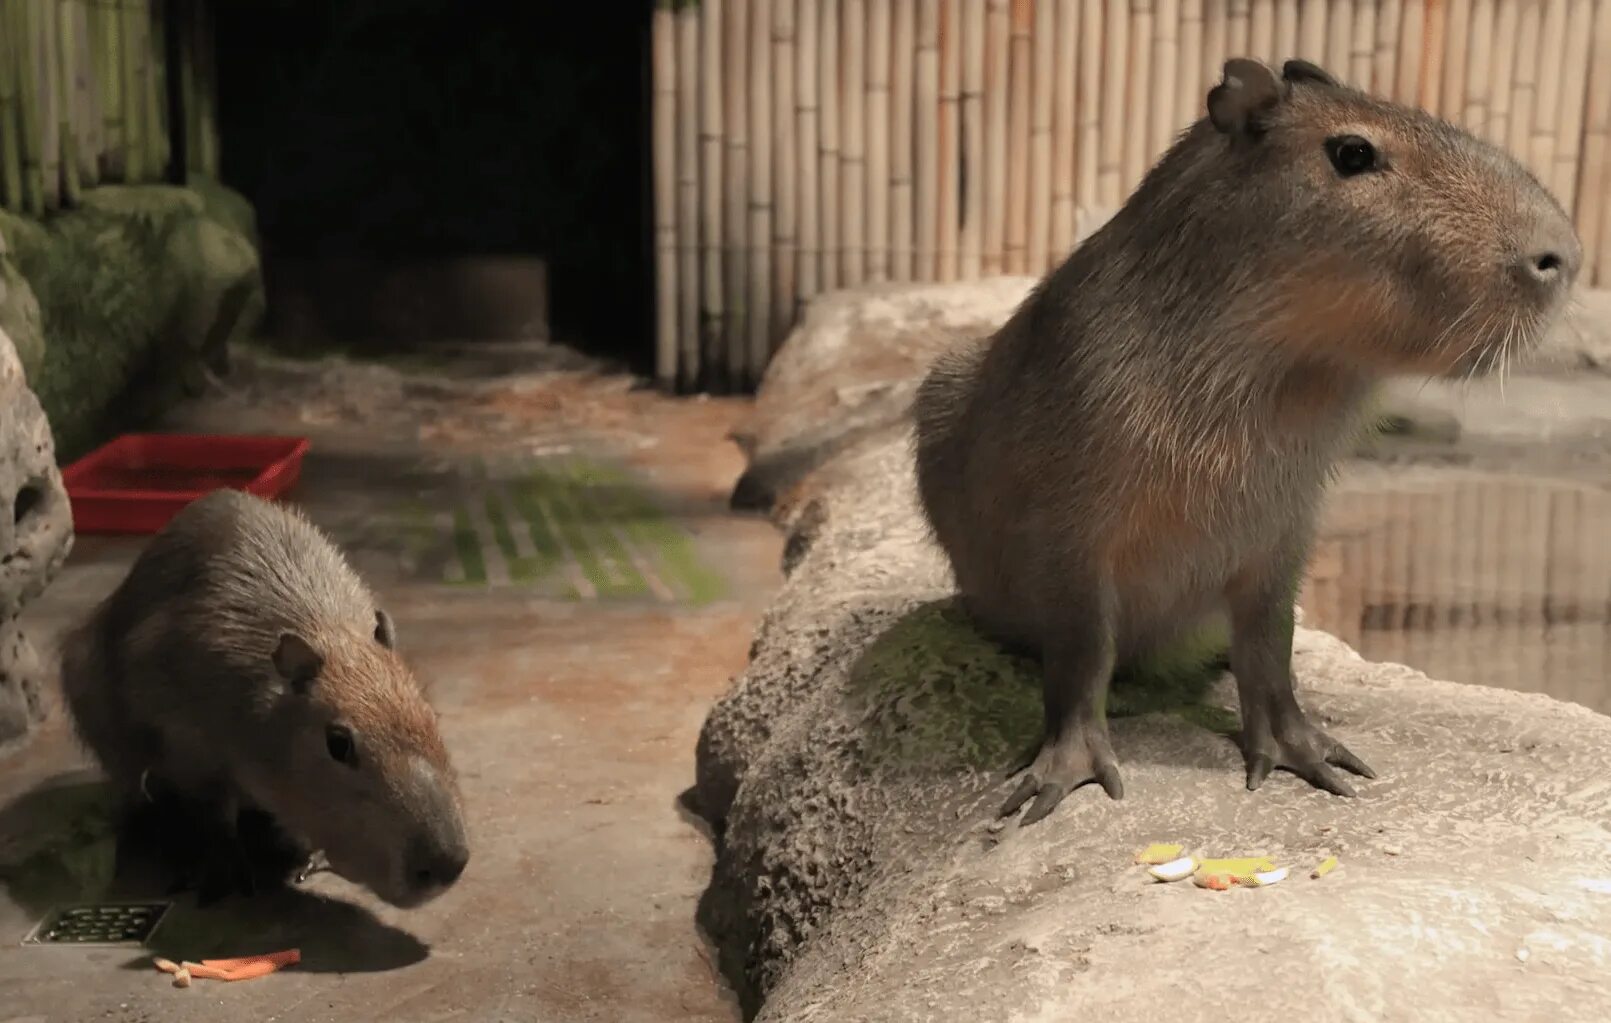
{"x": 239, "y": 642}
{"x": 1159, "y": 418}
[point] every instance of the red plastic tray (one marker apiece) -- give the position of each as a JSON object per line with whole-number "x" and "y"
{"x": 135, "y": 484}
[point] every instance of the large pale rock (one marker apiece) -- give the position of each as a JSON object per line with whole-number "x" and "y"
{"x": 36, "y": 533}
{"x": 853, "y": 770}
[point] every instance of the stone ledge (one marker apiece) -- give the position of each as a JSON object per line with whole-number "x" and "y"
{"x": 852, "y": 771}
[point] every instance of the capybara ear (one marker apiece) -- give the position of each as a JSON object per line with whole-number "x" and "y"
{"x": 1248, "y": 91}
{"x": 297, "y": 662}
{"x": 1302, "y": 71}
{"x": 385, "y": 631}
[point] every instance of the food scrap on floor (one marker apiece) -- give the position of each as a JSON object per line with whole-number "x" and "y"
{"x": 240, "y": 968}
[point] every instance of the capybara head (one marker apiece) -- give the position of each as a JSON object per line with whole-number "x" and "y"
{"x": 1350, "y": 230}
{"x": 357, "y": 766}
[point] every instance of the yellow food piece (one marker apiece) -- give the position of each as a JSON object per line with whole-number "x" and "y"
{"x": 1174, "y": 870}
{"x": 1159, "y": 852}
{"x": 1327, "y": 865}
{"x": 181, "y": 977}
{"x": 1239, "y": 866}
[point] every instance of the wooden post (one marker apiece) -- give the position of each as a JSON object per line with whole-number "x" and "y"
{"x": 663, "y": 30}
{"x": 11, "y": 145}
{"x": 1115, "y": 51}
{"x": 712, "y": 226}
{"x": 1064, "y": 66}
{"x": 998, "y": 44}
{"x": 878, "y": 140}
{"x": 1547, "y": 100}
{"x": 1569, "y": 112}
{"x": 1261, "y": 32}
{"x": 972, "y": 40}
{"x": 1019, "y": 99}
{"x": 47, "y": 71}
{"x": 1504, "y": 65}
{"x": 1286, "y": 30}
{"x": 807, "y": 90}
{"x": 1432, "y": 43}
{"x": 1238, "y": 27}
{"x": 1138, "y": 94}
{"x": 930, "y": 116}
{"x": 852, "y": 143}
{"x": 1384, "y": 70}
{"x": 1364, "y": 43}
{"x": 949, "y": 241}
{"x": 689, "y": 370}
{"x": 903, "y": 51}
{"x": 1088, "y": 113}
{"x": 785, "y": 175}
{"x": 1593, "y": 208}
{"x": 736, "y": 189}
{"x": 829, "y": 172}
{"x": 1166, "y": 120}
{"x": 758, "y": 305}
{"x": 1456, "y": 41}
{"x": 1339, "y": 39}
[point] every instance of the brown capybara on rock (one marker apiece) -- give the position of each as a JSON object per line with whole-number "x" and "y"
{"x": 244, "y": 671}
{"x": 1142, "y": 446}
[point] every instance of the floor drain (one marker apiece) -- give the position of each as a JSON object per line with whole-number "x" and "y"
{"x": 99, "y": 924}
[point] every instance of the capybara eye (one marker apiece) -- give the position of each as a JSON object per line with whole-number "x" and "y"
{"x": 339, "y": 742}
{"x": 1351, "y": 154}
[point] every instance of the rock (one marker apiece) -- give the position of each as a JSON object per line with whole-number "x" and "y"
{"x": 853, "y": 771}
{"x": 36, "y": 533}
{"x": 849, "y": 369}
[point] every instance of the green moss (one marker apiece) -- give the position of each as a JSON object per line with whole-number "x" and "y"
{"x": 937, "y": 695}
{"x": 135, "y": 290}
{"x": 68, "y": 852}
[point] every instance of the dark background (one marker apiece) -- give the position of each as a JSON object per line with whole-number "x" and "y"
{"x": 398, "y": 128}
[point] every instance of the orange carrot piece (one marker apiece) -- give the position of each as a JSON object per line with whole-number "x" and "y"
{"x": 289, "y": 957}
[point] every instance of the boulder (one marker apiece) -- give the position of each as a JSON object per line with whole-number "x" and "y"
{"x": 852, "y": 773}
{"x": 36, "y": 533}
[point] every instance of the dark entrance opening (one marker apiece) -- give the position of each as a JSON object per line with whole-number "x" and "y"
{"x": 423, "y": 168}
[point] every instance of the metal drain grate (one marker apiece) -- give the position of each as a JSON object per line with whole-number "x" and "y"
{"x": 126, "y": 924}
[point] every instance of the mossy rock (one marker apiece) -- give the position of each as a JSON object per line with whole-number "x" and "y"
{"x": 938, "y": 696}
{"x": 135, "y": 290}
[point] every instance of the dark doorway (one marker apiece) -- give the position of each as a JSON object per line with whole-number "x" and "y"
{"x": 370, "y": 131}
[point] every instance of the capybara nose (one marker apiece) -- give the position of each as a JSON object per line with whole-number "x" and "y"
{"x": 1552, "y": 261}
{"x": 434, "y": 866}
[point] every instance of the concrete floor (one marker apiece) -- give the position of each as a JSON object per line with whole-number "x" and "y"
{"x": 572, "y": 677}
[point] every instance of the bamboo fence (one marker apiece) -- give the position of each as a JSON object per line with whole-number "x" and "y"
{"x": 821, "y": 144}
{"x": 84, "y": 98}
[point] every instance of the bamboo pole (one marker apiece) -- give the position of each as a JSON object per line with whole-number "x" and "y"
{"x": 109, "y": 74}
{"x": 878, "y": 140}
{"x": 1019, "y": 101}
{"x": 689, "y": 369}
{"x": 950, "y": 143}
{"x": 930, "y": 116}
{"x": 1088, "y": 113}
{"x": 1038, "y": 214}
{"x": 664, "y": 43}
{"x": 997, "y": 49}
{"x": 1364, "y": 43}
{"x": 1116, "y": 47}
{"x": 134, "y": 72}
{"x": 829, "y": 172}
{"x": 1064, "y": 68}
{"x": 1479, "y": 68}
{"x": 971, "y": 233}
{"x": 1286, "y": 30}
{"x": 1384, "y": 68}
{"x": 1216, "y": 44}
{"x": 1411, "y": 46}
{"x": 1312, "y": 32}
{"x": 24, "y": 21}
{"x": 1190, "y": 82}
{"x": 807, "y": 90}
{"x": 712, "y": 234}
{"x": 1237, "y": 28}
{"x": 1261, "y": 32}
{"x": 1569, "y": 112}
{"x": 785, "y": 175}
{"x": 47, "y": 69}
{"x": 1138, "y": 100}
{"x": 11, "y": 165}
{"x": 1432, "y": 43}
{"x": 207, "y": 90}
{"x": 1547, "y": 99}
{"x": 852, "y": 143}
{"x": 903, "y": 51}
{"x": 1166, "y": 119}
{"x": 1593, "y": 225}
{"x": 1339, "y": 39}
{"x": 758, "y": 304}
{"x": 1504, "y": 65}
{"x": 1524, "y": 80}
{"x": 85, "y": 88}
{"x": 736, "y": 188}
{"x": 1456, "y": 41}
{"x": 156, "y": 91}
{"x": 69, "y": 102}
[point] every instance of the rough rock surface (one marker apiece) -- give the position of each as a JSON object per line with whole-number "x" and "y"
{"x": 36, "y": 533}
{"x": 852, "y": 773}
